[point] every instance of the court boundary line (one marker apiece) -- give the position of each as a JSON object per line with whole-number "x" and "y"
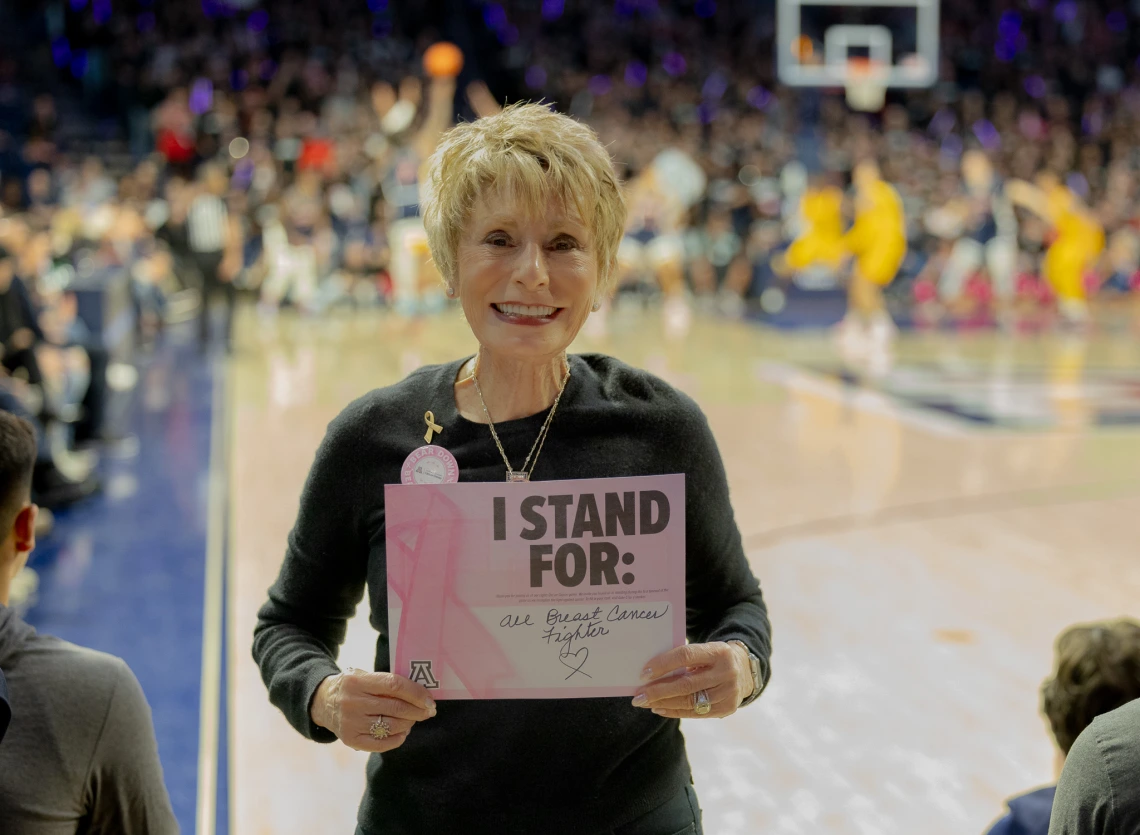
{"x": 793, "y": 377}
{"x": 952, "y": 508}
{"x": 230, "y": 694}
{"x": 209, "y": 704}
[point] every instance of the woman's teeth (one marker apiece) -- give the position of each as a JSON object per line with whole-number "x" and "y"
{"x": 525, "y": 310}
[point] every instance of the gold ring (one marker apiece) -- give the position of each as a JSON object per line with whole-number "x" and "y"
{"x": 380, "y": 728}
{"x": 701, "y": 703}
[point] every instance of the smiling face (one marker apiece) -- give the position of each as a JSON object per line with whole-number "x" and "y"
{"x": 526, "y": 282}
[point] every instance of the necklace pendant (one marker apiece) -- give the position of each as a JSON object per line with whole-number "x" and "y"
{"x": 512, "y": 476}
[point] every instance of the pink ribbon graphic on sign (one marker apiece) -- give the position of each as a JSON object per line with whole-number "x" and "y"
{"x": 424, "y": 559}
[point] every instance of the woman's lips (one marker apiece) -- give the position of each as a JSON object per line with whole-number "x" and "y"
{"x": 530, "y": 315}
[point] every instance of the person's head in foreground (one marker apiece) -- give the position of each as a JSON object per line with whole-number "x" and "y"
{"x": 1096, "y": 670}
{"x": 524, "y": 214}
{"x": 17, "y": 512}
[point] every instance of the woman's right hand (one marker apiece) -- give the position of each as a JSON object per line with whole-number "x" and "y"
{"x": 350, "y": 702}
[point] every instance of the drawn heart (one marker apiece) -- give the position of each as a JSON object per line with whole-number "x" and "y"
{"x": 570, "y": 660}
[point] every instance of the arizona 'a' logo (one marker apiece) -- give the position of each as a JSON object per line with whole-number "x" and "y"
{"x": 421, "y": 674}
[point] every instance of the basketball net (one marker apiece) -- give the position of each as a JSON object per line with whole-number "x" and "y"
{"x": 866, "y": 87}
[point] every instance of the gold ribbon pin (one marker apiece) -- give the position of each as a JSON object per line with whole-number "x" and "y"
{"x": 432, "y": 426}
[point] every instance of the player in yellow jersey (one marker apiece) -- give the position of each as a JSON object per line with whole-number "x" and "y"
{"x": 1077, "y": 244}
{"x": 877, "y": 241}
{"x": 820, "y": 241}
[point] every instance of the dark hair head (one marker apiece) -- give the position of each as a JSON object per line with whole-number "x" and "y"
{"x": 17, "y": 460}
{"x": 1098, "y": 670}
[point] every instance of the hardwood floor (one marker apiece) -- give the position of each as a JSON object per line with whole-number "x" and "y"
{"x": 921, "y": 540}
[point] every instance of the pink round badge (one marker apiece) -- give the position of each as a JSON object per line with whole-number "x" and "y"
{"x": 430, "y": 465}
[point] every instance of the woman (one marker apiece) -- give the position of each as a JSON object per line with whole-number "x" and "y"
{"x": 524, "y": 215}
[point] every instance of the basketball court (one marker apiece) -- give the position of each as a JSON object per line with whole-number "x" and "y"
{"x": 918, "y": 560}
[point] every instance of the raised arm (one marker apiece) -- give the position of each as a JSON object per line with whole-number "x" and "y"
{"x": 440, "y": 113}
{"x": 481, "y": 100}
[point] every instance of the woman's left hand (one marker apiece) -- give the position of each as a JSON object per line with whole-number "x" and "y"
{"x": 675, "y": 677}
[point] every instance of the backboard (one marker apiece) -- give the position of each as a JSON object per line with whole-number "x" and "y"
{"x": 815, "y": 39}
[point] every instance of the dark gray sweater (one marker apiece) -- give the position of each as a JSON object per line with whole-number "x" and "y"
{"x": 80, "y": 754}
{"x": 1099, "y": 789}
{"x": 573, "y": 766}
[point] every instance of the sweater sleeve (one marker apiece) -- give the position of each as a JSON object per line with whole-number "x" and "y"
{"x": 301, "y": 627}
{"x": 724, "y": 598}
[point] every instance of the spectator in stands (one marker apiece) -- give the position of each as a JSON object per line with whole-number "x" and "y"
{"x": 45, "y": 343}
{"x": 19, "y": 329}
{"x": 1098, "y": 670}
{"x": 80, "y": 753}
{"x": 1099, "y": 792}
{"x": 53, "y": 486}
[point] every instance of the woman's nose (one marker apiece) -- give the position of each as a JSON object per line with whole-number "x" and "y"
{"x": 530, "y": 270}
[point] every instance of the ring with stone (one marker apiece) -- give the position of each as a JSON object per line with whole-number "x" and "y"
{"x": 701, "y": 703}
{"x": 380, "y": 729}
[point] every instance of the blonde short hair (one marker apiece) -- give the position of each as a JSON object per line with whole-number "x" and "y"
{"x": 532, "y": 153}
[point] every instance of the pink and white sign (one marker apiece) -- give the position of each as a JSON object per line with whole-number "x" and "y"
{"x": 537, "y": 590}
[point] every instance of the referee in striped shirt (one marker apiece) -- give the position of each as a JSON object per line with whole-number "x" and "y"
{"x": 208, "y": 233}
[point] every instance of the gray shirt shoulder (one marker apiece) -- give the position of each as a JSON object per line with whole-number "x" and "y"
{"x": 1099, "y": 790}
{"x": 80, "y": 755}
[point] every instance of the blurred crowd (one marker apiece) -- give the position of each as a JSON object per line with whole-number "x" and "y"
{"x": 274, "y": 152}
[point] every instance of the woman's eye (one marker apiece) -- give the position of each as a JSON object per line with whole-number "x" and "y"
{"x": 497, "y": 240}
{"x": 565, "y": 244}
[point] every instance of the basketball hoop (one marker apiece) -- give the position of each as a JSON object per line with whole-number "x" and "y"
{"x": 866, "y": 85}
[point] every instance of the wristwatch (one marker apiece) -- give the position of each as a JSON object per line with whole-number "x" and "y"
{"x": 757, "y": 682}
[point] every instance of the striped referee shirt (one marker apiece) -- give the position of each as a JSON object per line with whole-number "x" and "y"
{"x": 206, "y": 224}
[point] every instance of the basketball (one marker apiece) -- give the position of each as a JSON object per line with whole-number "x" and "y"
{"x": 443, "y": 60}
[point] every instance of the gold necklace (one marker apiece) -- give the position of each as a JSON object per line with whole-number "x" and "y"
{"x": 539, "y": 442}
